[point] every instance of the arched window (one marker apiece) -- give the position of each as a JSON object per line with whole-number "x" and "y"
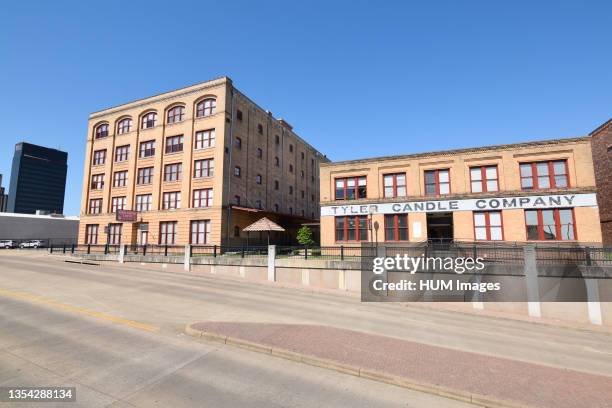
{"x": 102, "y": 131}
{"x": 124, "y": 126}
{"x": 176, "y": 114}
{"x": 206, "y": 107}
{"x": 148, "y": 120}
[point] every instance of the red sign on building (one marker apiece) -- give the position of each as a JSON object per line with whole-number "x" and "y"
{"x": 127, "y": 216}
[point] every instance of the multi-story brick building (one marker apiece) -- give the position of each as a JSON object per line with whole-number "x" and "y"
{"x": 198, "y": 164}
{"x": 537, "y": 191}
{"x": 601, "y": 146}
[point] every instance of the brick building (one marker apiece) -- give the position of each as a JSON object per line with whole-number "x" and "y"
{"x": 601, "y": 146}
{"x": 536, "y": 191}
{"x": 198, "y": 165}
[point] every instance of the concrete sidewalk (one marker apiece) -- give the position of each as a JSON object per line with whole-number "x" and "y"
{"x": 468, "y": 376}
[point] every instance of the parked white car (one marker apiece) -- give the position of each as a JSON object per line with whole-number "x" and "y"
{"x": 34, "y": 243}
{"x": 7, "y": 243}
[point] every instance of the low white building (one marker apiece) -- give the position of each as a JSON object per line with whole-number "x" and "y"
{"x": 54, "y": 229}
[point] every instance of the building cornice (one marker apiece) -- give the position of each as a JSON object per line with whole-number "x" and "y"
{"x": 463, "y": 151}
{"x": 188, "y": 90}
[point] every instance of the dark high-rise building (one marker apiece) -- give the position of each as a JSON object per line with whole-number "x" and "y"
{"x": 3, "y": 197}
{"x": 38, "y": 179}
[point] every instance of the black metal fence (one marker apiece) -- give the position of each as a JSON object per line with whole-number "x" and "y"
{"x": 494, "y": 253}
{"x": 340, "y": 253}
{"x": 229, "y": 250}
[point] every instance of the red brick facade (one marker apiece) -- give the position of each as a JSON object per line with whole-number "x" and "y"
{"x": 601, "y": 147}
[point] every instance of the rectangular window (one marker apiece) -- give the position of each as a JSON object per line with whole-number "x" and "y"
{"x": 97, "y": 182}
{"x": 488, "y": 226}
{"x": 484, "y": 179}
{"x": 173, "y": 172}
{"x": 122, "y": 153}
{"x": 200, "y": 232}
{"x": 352, "y": 228}
{"x": 99, "y": 157}
{"x": 95, "y": 206}
{"x": 553, "y": 224}
{"x": 145, "y": 175}
{"x": 167, "y": 232}
{"x": 144, "y": 202}
{"x": 204, "y": 139}
{"x": 117, "y": 203}
{"x": 172, "y": 200}
{"x": 120, "y": 179}
{"x": 202, "y": 198}
{"x": 91, "y": 234}
{"x": 437, "y": 182}
{"x": 203, "y": 168}
{"x": 147, "y": 149}
{"x": 174, "y": 144}
{"x": 351, "y": 188}
{"x": 544, "y": 175}
{"x": 396, "y": 227}
{"x": 394, "y": 185}
{"x": 114, "y": 233}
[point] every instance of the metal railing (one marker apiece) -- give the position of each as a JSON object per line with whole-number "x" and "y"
{"x": 228, "y": 250}
{"x": 340, "y": 253}
{"x": 157, "y": 250}
{"x": 588, "y": 256}
{"x": 494, "y": 253}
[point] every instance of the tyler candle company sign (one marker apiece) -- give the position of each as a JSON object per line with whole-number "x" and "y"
{"x": 479, "y": 204}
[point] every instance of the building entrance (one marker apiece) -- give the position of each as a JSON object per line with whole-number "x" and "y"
{"x": 440, "y": 227}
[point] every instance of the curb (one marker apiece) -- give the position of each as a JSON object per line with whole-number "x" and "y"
{"x": 463, "y": 396}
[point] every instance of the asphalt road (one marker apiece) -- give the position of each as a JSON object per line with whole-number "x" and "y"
{"x": 117, "y": 334}
{"x": 54, "y": 336}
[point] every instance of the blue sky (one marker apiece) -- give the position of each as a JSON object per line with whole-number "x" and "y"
{"x": 356, "y": 79}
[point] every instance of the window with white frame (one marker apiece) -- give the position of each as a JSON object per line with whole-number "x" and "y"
{"x": 206, "y": 107}
{"x": 120, "y": 178}
{"x": 202, "y": 198}
{"x": 171, "y": 200}
{"x": 203, "y": 168}
{"x": 484, "y": 179}
{"x": 168, "y": 231}
{"x": 173, "y": 171}
{"x": 91, "y": 234}
{"x": 176, "y": 114}
{"x": 488, "y": 226}
{"x": 200, "y": 232}
{"x": 118, "y": 203}
{"x": 124, "y": 126}
{"x": 205, "y": 139}
{"x": 144, "y": 202}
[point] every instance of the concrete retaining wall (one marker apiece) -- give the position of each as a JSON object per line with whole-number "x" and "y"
{"x": 346, "y": 276}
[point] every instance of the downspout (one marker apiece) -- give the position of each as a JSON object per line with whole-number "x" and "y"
{"x": 229, "y": 170}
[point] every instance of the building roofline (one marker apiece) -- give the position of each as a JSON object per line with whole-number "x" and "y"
{"x": 136, "y": 102}
{"x": 269, "y": 113}
{"x": 195, "y": 88}
{"x": 601, "y": 127}
{"x": 462, "y": 150}
{"x": 41, "y": 217}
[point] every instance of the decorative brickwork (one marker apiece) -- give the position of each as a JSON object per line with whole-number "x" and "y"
{"x": 601, "y": 147}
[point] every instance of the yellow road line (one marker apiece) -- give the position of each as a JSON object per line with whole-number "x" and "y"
{"x": 76, "y": 309}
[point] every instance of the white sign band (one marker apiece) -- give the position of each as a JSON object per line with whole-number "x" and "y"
{"x": 472, "y": 204}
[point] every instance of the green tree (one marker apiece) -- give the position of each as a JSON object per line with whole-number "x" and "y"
{"x": 304, "y": 236}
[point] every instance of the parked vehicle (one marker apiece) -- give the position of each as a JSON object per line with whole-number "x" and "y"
{"x": 7, "y": 243}
{"x": 34, "y": 243}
